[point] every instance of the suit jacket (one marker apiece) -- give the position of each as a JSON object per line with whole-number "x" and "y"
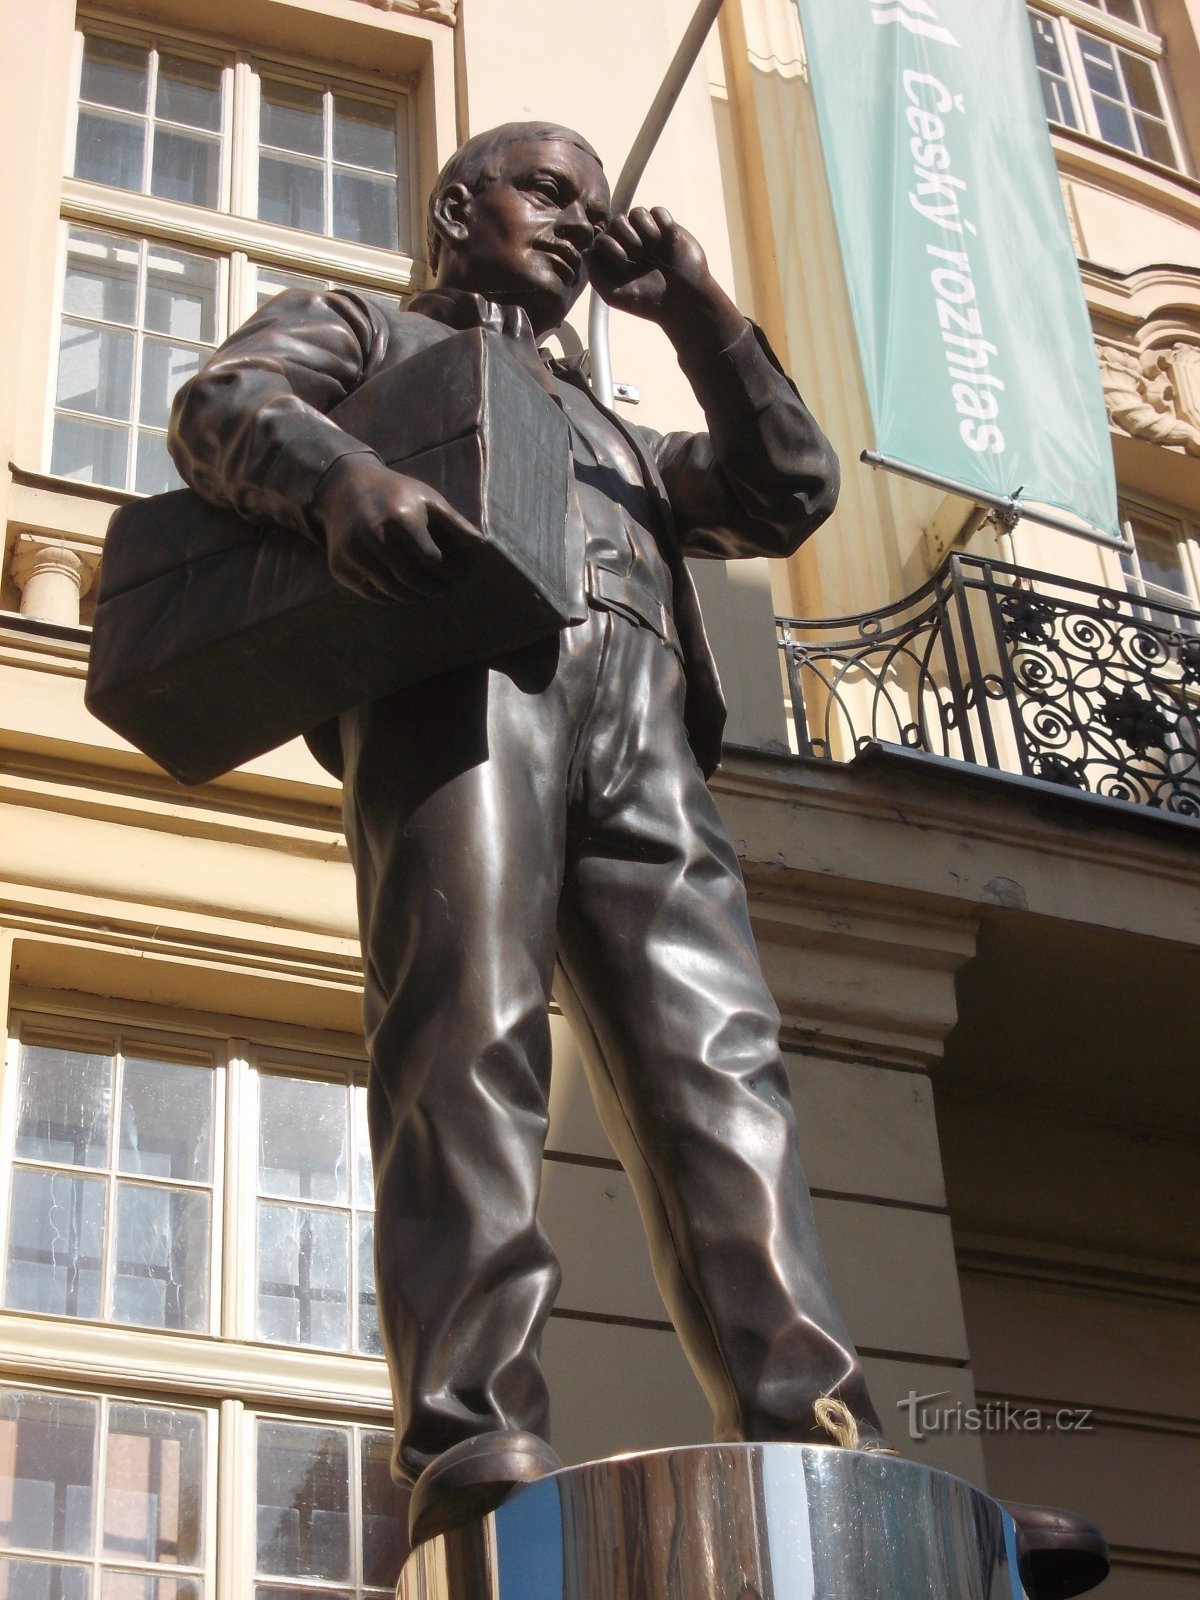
{"x": 250, "y": 432}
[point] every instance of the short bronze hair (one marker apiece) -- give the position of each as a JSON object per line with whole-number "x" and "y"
{"x": 477, "y": 163}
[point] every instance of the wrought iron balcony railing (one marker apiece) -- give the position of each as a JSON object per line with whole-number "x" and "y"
{"x": 1088, "y": 688}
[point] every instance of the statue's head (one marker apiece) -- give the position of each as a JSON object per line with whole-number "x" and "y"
{"x": 513, "y": 215}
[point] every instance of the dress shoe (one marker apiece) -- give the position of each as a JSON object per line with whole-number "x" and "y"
{"x": 474, "y": 1477}
{"x": 1059, "y": 1553}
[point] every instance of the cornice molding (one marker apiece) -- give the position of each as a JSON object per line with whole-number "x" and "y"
{"x": 433, "y": 10}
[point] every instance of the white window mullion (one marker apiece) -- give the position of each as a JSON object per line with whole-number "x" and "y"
{"x": 8, "y": 1134}
{"x": 151, "y": 119}
{"x": 99, "y": 1480}
{"x": 243, "y": 140}
{"x": 356, "y": 1509}
{"x": 215, "y": 1508}
{"x": 108, "y": 1248}
{"x": 217, "y": 1206}
{"x": 327, "y": 114}
{"x": 1084, "y": 104}
{"x": 237, "y": 1502}
{"x": 241, "y": 1125}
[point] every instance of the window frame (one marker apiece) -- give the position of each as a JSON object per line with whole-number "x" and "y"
{"x": 105, "y": 1396}
{"x": 232, "y": 234}
{"x": 1174, "y": 522}
{"x": 239, "y": 1060}
{"x": 1071, "y": 18}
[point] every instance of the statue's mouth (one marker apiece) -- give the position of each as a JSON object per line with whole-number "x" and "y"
{"x": 565, "y": 256}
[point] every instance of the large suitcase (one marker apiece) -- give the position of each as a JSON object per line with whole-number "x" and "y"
{"x": 215, "y": 640}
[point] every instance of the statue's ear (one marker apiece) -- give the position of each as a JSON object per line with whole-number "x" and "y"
{"x": 451, "y": 211}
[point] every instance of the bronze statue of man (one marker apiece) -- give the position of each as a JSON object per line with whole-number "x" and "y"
{"x": 551, "y": 807}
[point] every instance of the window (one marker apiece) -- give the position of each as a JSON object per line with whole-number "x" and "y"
{"x": 1100, "y": 72}
{"x": 103, "y": 1498}
{"x": 186, "y": 1238}
{"x": 198, "y": 183}
{"x": 1163, "y": 566}
{"x": 315, "y": 1281}
{"x": 124, "y": 1199}
{"x": 326, "y": 1511}
{"x": 327, "y": 162}
{"x": 111, "y": 1196}
{"x": 138, "y": 319}
{"x": 150, "y": 121}
{"x": 110, "y": 1497}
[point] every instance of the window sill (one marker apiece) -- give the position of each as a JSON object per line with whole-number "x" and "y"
{"x": 1162, "y": 188}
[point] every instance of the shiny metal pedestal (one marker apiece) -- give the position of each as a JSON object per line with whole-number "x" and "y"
{"x": 730, "y": 1522}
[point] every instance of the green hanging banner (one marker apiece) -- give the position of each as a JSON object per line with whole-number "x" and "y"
{"x": 973, "y": 334}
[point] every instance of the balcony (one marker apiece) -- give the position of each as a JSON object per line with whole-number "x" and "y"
{"x": 1081, "y": 687}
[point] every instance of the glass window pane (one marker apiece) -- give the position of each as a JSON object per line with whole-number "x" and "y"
{"x": 1155, "y": 141}
{"x": 189, "y": 92}
{"x": 269, "y": 283}
{"x": 186, "y": 166}
{"x": 364, "y": 1178}
{"x": 154, "y": 1485}
{"x": 114, "y": 74}
{"x": 56, "y": 1233}
{"x": 101, "y": 277}
{"x": 292, "y": 117}
{"x": 95, "y": 370}
{"x": 63, "y": 1102}
{"x": 364, "y": 209}
{"x": 1125, "y": 11}
{"x": 303, "y": 1138}
{"x": 166, "y": 1114}
{"x": 181, "y": 295}
{"x": 1100, "y": 64}
{"x": 47, "y": 1452}
{"x": 110, "y": 150}
{"x": 151, "y": 1586}
{"x": 1139, "y": 81}
{"x": 303, "y": 1273}
{"x": 303, "y": 1501}
{"x": 369, "y": 1343}
{"x": 154, "y": 471}
{"x": 89, "y": 452}
{"x": 363, "y": 134}
{"x": 41, "y": 1580}
{"x": 1056, "y": 91}
{"x": 1045, "y": 45}
{"x": 384, "y": 1545}
{"x": 291, "y": 193}
{"x": 1159, "y": 558}
{"x": 162, "y": 1267}
{"x": 1116, "y": 126}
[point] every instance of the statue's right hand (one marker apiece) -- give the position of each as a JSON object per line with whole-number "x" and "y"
{"x": 387, "y": 536}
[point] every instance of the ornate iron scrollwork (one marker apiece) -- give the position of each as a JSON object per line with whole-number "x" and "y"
{"x": 1079, "y": 686}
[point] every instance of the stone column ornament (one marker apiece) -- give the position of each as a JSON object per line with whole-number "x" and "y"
{"x": 53, "y": 576}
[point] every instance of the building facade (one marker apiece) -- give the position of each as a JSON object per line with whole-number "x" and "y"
{"x": 985, "y": 949}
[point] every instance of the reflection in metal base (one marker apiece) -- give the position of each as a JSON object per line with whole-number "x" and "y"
{"x": 730, "y": 1522}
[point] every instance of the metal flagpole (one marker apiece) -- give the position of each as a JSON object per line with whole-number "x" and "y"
{"x": 635, "y": 164}
{"x": 1009, "y": 506}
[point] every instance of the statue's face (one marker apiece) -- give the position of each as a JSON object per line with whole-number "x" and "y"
{"x": 527, "y": 233}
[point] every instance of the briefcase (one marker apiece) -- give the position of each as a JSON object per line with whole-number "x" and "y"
{"x": 215, "y": 640}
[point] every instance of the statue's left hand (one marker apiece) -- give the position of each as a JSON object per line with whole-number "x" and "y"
{"x": 645, "y": 263}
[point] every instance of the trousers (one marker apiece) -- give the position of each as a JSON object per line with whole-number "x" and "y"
{"x": 546, "y": 808}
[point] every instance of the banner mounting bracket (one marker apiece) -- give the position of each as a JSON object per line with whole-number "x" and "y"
{"x": 1006, "y": 508}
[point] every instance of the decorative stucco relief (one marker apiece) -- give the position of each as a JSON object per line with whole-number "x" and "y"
{"x": 436, "y": 10}
{"x": 1154, "y": 394}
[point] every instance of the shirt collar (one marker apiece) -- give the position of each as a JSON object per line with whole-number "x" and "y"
{"x": 460, "y": 308}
